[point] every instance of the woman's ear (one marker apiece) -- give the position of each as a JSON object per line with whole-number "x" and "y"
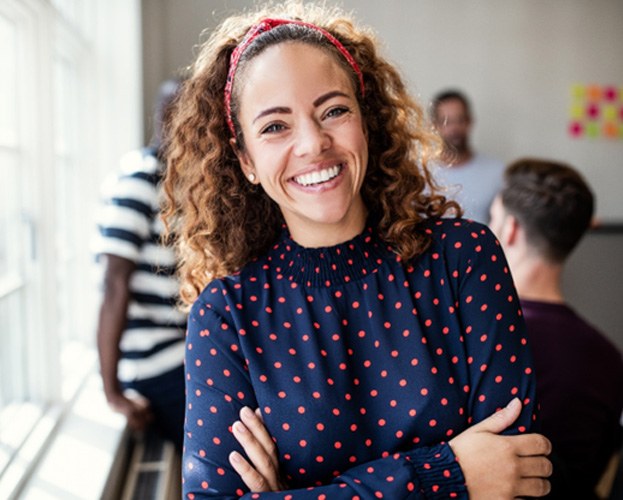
{"x": 245, "y": 161}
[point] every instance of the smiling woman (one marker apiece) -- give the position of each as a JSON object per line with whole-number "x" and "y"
{"x": 345, "y": 339}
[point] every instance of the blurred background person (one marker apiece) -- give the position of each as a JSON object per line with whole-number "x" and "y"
{"x": 471, "y": 178}
{"x": 140, "y": 334}
{"x": 541, "y": 213}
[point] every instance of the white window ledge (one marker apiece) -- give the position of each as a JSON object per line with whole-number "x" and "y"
{"x": 73, "y": 455}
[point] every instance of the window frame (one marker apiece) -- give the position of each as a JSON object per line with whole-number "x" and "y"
{"x": 108, "y": 123}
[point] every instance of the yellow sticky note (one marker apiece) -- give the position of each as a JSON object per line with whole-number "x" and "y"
{"x": 578, "y": 91}
{"x": 609, "y": 112}
{"x": 577, "y": 111}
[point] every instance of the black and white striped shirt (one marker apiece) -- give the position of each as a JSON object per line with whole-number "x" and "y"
{"x": 129, "y": 227}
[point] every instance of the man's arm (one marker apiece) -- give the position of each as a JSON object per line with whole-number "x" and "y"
{"x": 111, "y": 323}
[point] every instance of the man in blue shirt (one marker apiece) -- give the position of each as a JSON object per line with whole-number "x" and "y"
{"x": 471, "y": 178}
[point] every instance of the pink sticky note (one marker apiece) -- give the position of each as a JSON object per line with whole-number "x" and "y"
{"x": 592, "y": 111}
{"x": 610, "y": 93}
{"x": 576, "y": 129}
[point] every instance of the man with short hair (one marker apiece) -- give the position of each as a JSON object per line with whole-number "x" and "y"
{"x": 541, "y": 213}
{"x": 471, "y": 178}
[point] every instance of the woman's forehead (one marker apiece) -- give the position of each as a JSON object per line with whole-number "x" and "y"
{"x": 293, "y": 67}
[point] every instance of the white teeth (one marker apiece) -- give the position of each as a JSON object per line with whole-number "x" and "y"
{"x": 318, "y": 176}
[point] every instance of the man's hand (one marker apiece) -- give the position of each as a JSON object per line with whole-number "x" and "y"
{"x": 503, "y": 467}
{"x": 135, "y": 409}
{"x": 262, "y": 474}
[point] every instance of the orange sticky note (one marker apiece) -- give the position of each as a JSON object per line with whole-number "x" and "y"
{"x": 610, "y": 129}
{"x": 593, "y": 92}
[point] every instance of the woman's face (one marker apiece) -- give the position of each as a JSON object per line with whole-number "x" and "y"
{"x": 305, "y": 141}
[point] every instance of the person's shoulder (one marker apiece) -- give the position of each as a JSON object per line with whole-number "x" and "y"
{"x": 212, "y": 297}
{"x": 595, "y": 339}
{"x": 578, "y": 331}
{"x": 139, "y": 174}
{"x": 141, "y": 164}
{"x": 488, "y": 162}
{"x": 453, "y": 228}
{"x": 221, "y": 292}
{"x": 459, "y": 237}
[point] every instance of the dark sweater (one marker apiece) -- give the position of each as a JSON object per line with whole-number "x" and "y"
{"x": 580, "y": 389}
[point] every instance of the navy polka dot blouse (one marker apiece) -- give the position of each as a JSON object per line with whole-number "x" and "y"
{"x": 363, "y": 366}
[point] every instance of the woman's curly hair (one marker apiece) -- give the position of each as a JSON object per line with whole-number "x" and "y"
{"x": 220, "y": 221}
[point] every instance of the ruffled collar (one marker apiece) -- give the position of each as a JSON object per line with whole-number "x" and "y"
{"x": 330, "y": 266}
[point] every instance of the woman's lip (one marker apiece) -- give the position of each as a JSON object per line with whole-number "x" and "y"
{"x": 318, "y": 167}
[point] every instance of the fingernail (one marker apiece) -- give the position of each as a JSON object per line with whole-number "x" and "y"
{"x": 240, "y": 427}
{"x": 234, "y": 456}
{"x": 513, "y": 404}
{"x": 246, "y": 412}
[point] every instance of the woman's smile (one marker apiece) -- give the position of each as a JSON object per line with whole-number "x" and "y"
{"x": 318, "y": 177}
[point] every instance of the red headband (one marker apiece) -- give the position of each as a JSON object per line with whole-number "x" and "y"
{"x": 262, "y": 27}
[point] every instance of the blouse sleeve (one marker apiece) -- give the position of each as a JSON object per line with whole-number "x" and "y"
{"x": 218, "y": 386}
{"x": 494, "y": 333}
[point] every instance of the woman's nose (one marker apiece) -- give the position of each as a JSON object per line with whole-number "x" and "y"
{"x": 311, "y": 139}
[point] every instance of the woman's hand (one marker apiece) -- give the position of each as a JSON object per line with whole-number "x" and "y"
{"x": 262, "y": 474}
{"x": 503, "y": 467}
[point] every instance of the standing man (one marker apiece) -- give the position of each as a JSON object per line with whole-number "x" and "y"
{"x": 140, "y": 335}
{"x": 540, "y": 215}
{"x": 472, "y": 179}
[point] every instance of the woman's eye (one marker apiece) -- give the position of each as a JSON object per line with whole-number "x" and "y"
{"x": 338, "y": 111}
{"x": 272, "y": 128}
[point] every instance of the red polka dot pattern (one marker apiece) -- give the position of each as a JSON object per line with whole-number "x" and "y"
{"x": 362, "y": 365}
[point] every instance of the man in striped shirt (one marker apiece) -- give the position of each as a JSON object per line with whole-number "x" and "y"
{"x": 140, "y": 333}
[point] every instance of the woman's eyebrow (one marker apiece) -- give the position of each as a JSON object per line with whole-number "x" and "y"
{"x": 269, "y": 111}
{"x": 329, "y": 95}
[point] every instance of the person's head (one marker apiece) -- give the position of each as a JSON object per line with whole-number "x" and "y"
{"x": 167, "y": 92}
{"x": 314, "y": 129}
{"x": 551, "y": 203}
{"x": 452, "y": 117}
{"x": 298, "y": 131}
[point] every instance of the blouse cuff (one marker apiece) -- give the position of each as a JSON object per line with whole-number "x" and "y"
{"x": 438, "y": 472}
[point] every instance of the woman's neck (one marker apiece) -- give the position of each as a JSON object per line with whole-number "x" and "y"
{"x": 312, "y": 234}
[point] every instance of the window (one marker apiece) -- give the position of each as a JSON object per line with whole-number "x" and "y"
{"x": 16, "y": 224}
{"x": 69, "y": 107}
{"x": 71, "y": 84}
